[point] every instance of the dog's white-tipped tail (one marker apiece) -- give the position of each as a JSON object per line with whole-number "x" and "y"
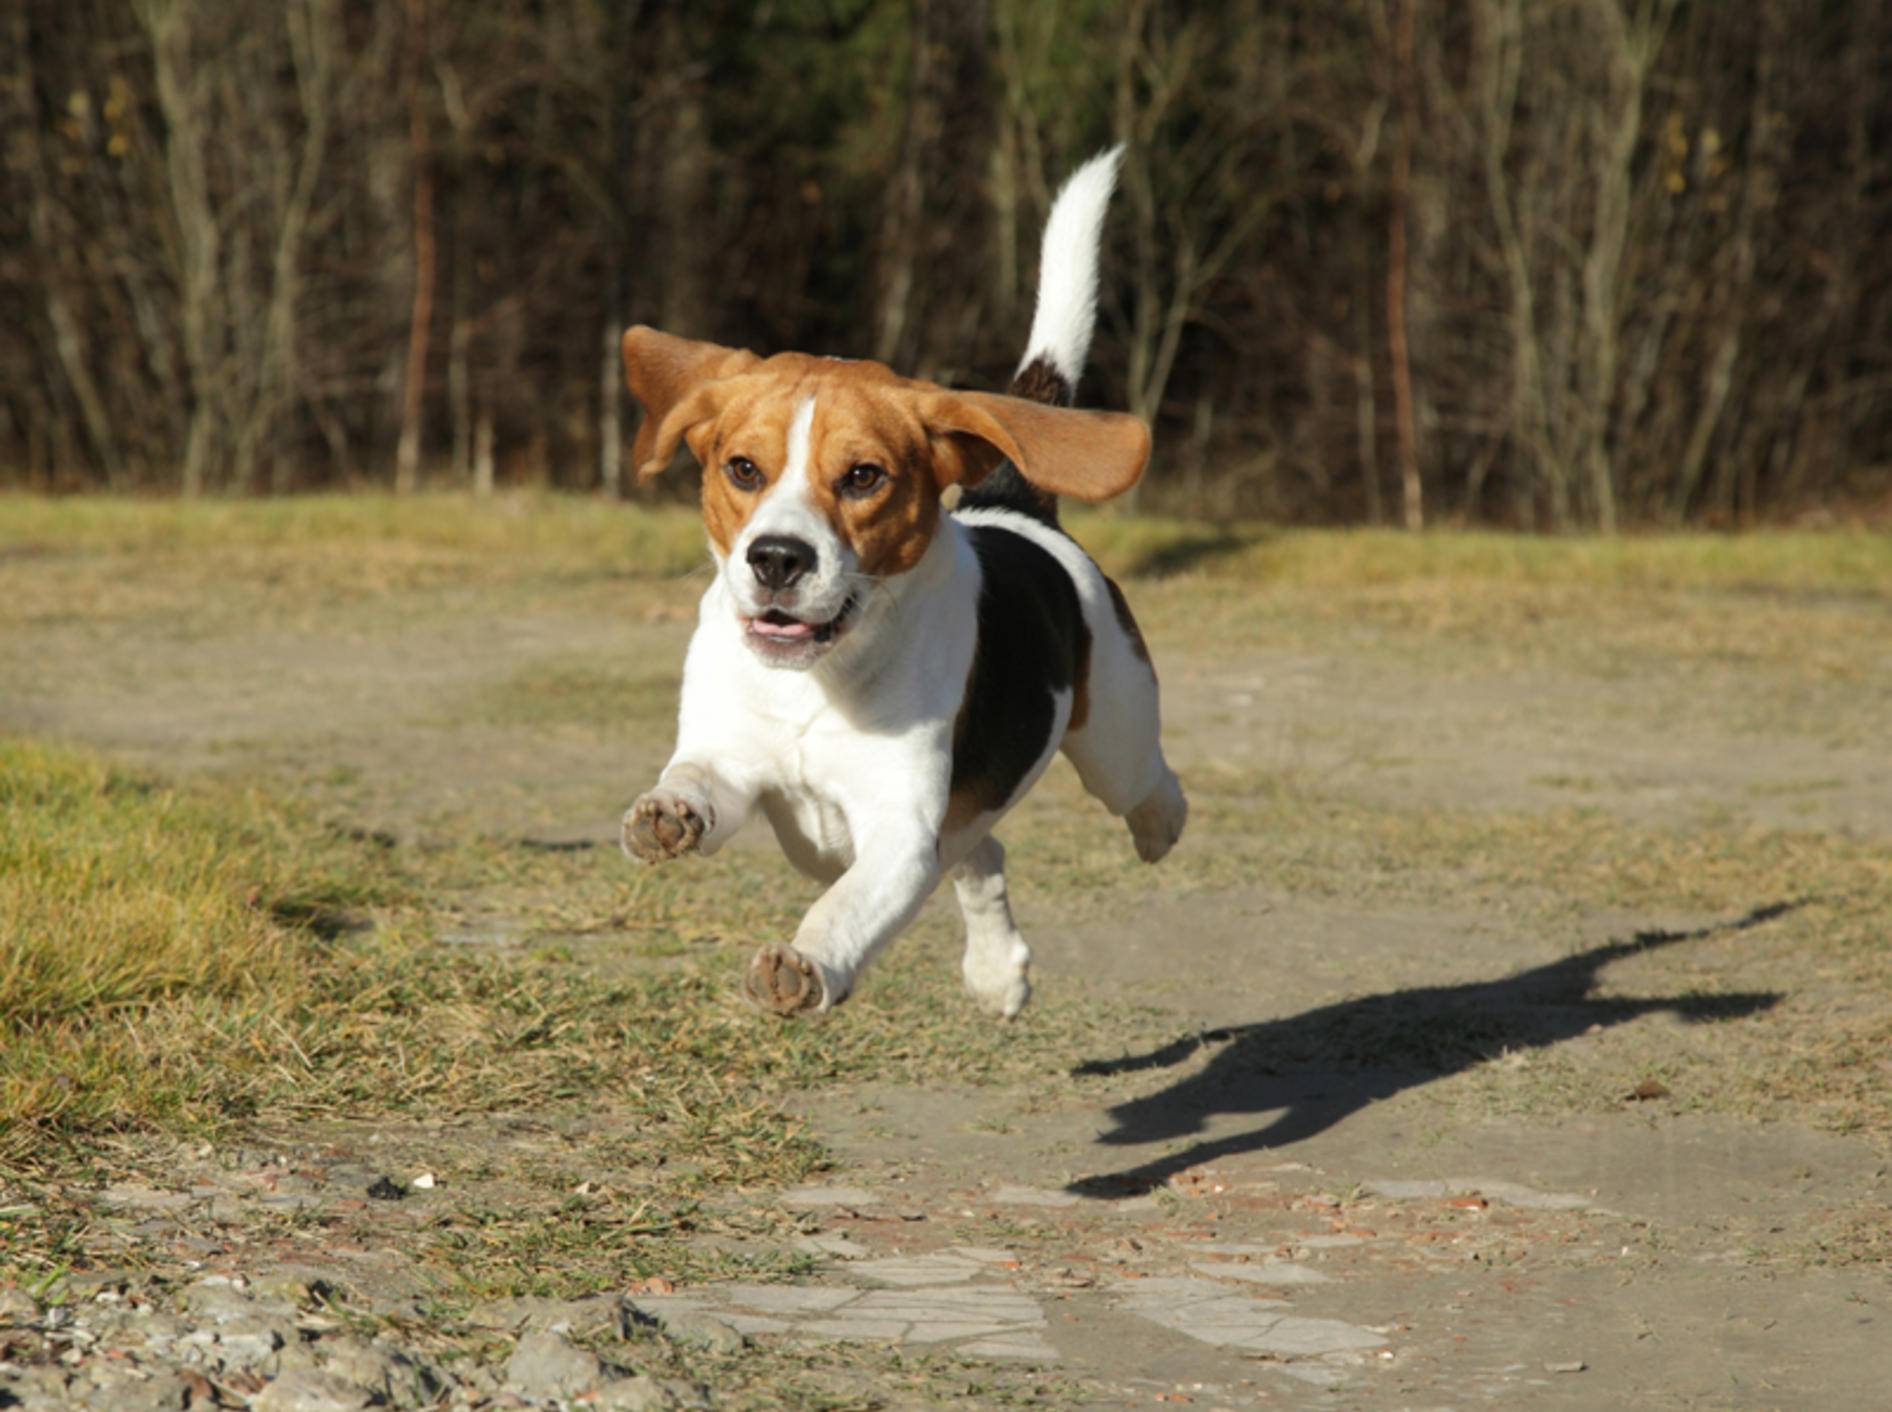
{"x": 1067, "y": 271}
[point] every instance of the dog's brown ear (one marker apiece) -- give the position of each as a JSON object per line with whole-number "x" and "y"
{"x": 1085, "y": 455}
{"x": 675, "y": 379}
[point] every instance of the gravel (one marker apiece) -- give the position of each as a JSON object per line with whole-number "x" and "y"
{"x": 279, "y": 1345}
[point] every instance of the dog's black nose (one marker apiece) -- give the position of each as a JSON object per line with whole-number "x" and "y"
{"x": 780, "y": 559}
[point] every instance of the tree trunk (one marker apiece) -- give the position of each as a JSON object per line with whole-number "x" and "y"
{"x": 420, "y": 321}
{"x": 933, "y": 236}
{"x": 483, "y": 453}
{"x": 1399, "y": 199}
{"x": 611, "y": 407}
{"x": 198, "y": 238}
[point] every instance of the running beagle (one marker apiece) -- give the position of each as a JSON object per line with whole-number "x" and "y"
{"x": 883, "y": 678}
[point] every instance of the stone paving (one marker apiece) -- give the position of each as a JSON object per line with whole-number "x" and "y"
{"x": 1252, "y": 1283}
{"x": 981, "y": 1301}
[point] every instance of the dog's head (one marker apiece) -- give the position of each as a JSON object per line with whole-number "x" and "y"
{"x": 822, "y": 477}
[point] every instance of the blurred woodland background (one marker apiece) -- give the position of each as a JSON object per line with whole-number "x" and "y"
{"x": 1545, "y": 263}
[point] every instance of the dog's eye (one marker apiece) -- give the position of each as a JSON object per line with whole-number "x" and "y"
{"x": 862, "y": 479}
{"x": 742, "y": 473}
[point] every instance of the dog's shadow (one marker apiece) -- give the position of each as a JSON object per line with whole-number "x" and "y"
{"x": 1320, "y": 1067}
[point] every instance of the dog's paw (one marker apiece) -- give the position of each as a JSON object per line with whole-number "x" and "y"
{"x": 784, "y": 982}
{"x": 1158, "y": 821}
{"x": 661, "y": 825}
{"x": 1000, "y": 985}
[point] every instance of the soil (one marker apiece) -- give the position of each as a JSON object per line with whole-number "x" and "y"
{"x": 1225, "y": 1220}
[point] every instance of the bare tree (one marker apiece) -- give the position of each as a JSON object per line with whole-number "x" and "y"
{"x": 1192, "y": 197}
{"x": 420, "y": 320}
{"x": 1399, "y": 200}
{"x": 1571, "y": 263}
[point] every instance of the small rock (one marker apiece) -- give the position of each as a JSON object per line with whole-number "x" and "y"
{"x": 303, "y": 1391}
{"x": 706, "y": 1330}
{"x": 424, "y": 1182}
{"x": 157, "y": 1329}
{"x": 692, "y": 1397}
{"x": 218, "y": 1297}
{"x": 549, "y": 1365}
{"x": 639, "y": 1394}
{"x": 1575, "y": 1365}
{"x": 144, "y": 1198}
{"x": 17, "y": 1306}
{"x": 166, "y": 1392}
{"x": 596, "y": 1314}
{"x": 298, "y": 1356}
{"x": 295, "y": 1284}
{"x": 241, "y": 1343}
{"x": 36, "y": 1387}
{"x": 387, "y": 1373}
{"x": 387, "y": 1189}
{"x": 1268, "y": 1272}
{"x": 832, "y": 1243}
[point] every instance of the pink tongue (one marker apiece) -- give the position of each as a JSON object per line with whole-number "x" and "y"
{"x": 789, "y": 629}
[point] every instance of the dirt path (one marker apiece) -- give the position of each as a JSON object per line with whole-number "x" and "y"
{"x": 1274, "y": 1209}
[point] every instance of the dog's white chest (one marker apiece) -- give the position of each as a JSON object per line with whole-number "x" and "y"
{"x": 812, "y": 829}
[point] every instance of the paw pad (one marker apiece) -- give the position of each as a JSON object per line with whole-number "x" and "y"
{"x": 782, "y": 981}
{"x": 661, "y": 826}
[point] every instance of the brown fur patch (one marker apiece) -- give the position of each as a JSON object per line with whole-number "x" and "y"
{"x": 890, "y": 527}
{"x": 754, "y": 423}
{"x": 1039, "y": 381}
{"x": 727, "y": 403}
{"x": 863, "y": 414}
{"x": 964, "y": 804}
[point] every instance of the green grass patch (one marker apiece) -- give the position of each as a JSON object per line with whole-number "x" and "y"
{"x": 644, "y": 540}
{"x": 155, "y": 945}
{"x": 99, "y": 559}
{"x": 515, "y": 531}
{"x": 1827, "y": 560}
{"x": 184, "y": 960}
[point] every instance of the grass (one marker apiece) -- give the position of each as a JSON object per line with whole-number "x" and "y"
{"x": 537, "y": 532}
{"x": 531, "y": 528}
{"x": 168, "y": 950}
{"x": 185, "y": 958}
{"x": 156, "y": 945}
{"x": 1826, "y": 561}
{"x": 192, "y": 959}
{"x": 575, "y": 692}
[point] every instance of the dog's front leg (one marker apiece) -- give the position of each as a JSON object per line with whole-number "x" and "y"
{"x": 895, "y": 870}
{"x": 695, "y": 808}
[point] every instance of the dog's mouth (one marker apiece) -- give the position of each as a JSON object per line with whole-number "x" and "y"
{"x": 779, "y": 634}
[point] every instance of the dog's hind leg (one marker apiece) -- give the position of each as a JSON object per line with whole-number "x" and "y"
{"x": 996, "y": 955}
{"x": 1118, "y": 752}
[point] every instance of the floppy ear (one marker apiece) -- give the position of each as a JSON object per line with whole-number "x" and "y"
{"x": 1085, "y": 455}
{"x": 673, "y": 378}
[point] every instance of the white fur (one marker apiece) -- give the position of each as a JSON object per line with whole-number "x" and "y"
{"x": 851, "y": 760}
{"x": 788, "y": 507}
{"x": 1067, "y": 268}
{"x": 996, "y": 955}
